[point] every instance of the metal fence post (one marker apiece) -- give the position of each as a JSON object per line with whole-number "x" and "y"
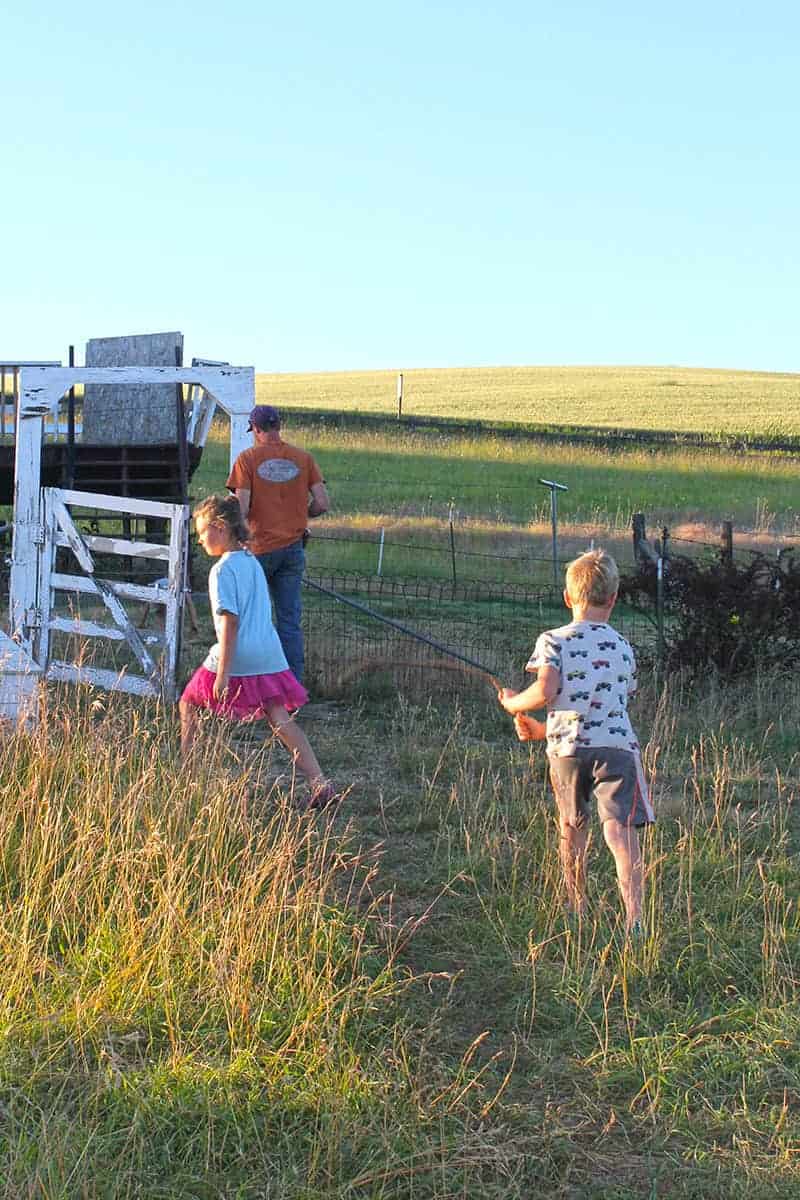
{"x": 554, "y": 487}
{"x": 380, "y": 550}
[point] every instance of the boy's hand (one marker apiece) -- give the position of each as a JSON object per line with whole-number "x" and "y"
{"x": 529, "y": 729}
{"x": 504, "y": 695}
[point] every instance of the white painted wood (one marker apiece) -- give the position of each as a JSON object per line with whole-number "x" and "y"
{"x": 57, "y": 514}
{"x": 65, "y": 524}
{"x": 241, "y": 438}
{"x": 111, "y": 681}
{"x": 23, "y": 583}
{"x": 177, "y": 587}
{"x": 205, "y": 418}
{"x": 122, "y": 504}
{"x": 147, "y": 594}
{"x": 47, "y": 562}
{"x": 233, "y": 388}
{"x": 206, "y": 405}
{"x": 111, "y": 545}
{"x": 19, "y": 684}
{"x": 82, "y": 627}
{"x": 42, "y": 522}
{"x": 41, "y": 388}
{"x": 121, "y": 619}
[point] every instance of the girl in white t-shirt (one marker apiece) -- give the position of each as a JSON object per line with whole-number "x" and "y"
{"x": 245, "y": 675}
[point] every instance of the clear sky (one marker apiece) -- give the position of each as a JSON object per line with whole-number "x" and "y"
{"x": 326, "y": 186}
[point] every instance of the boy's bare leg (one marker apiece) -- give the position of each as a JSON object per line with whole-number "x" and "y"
{"x": 623, "y": 842}
{"x": 189, "y": 721}
{"x": 295, "y": 741}
{"x": 573, "y": 865}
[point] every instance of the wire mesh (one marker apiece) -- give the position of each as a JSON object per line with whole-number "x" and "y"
{"x": 492, "y": 624}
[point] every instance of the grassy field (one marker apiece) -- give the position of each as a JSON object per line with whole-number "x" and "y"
{"x": 408, "y": 482}
{"x": 208, "y": 996}
{"x": 673, "y": 398}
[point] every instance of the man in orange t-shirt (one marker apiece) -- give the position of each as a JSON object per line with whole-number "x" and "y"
{"x": 279, "y": 487}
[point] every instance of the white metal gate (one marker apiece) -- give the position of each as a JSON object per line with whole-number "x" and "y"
{"x": 156, "y": 654}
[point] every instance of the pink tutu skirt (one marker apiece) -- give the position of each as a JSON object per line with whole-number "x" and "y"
{"x": 247, "y": 695}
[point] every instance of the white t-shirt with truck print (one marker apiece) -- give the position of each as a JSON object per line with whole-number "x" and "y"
{"x": 598, "y": 674}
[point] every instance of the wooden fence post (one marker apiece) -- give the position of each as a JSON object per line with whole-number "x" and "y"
{"x": 639, "y": 537}
{"x": 726, "y": 544}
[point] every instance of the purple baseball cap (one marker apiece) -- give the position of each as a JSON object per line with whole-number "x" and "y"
{"x": 264, "y": 416}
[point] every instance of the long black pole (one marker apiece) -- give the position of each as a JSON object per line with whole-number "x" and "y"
{"x": 420, "y": 637}
{"x": 71, "y": 425}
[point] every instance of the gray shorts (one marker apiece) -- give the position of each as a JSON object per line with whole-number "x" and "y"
{"x": 610, "y": 775}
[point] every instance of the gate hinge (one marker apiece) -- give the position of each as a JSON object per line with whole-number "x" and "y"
{"x": 33, "y": 618}
{"x": 37, "y": 537}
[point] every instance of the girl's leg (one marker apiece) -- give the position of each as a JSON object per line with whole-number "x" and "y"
{"x": 296, "y": 742}
{"x": 623, "y": 842}
{"x": 189, "y": 723}
{"x": 573, "y": 864}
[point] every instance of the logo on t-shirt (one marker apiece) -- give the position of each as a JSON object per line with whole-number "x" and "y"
{"x": 277, "y": 470}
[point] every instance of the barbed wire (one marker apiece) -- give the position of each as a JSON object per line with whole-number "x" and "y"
{"x": 716, "y": 546}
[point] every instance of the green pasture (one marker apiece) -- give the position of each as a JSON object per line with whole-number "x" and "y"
{"x": 408, "y": 482}
{"x": 663, "y": 398}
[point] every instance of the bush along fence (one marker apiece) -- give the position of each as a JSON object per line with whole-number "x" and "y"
{"x": 714, "y": 612}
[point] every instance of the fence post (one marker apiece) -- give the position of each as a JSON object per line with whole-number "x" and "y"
{"x": 400, "y": 396}
{"x": 380, "y": 550}
{"x": 639, "y": 536}
{"x": 554, "y": 488}
{"x": 453, "y": 547}
{"x": 726, "y": 544}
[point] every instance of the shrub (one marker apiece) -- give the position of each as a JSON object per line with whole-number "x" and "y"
{"x": 736, "y": 618}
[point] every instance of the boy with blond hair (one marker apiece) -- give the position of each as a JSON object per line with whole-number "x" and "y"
{"x": 585, "y": 672}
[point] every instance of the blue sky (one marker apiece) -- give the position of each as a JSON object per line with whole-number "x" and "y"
{"x": 333, "y": 187}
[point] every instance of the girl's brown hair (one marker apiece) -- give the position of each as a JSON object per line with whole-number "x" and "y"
{"x": 224, "y": 510}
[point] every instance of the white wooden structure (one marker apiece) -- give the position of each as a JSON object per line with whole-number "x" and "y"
{"x": 43, "y": 522}
{"x": 18, "y": 684}
{"x": 156, "y": 654}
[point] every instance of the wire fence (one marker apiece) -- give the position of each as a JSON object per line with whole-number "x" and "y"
{"x": 495, "y": 626}
{"x": 415, "y": 630}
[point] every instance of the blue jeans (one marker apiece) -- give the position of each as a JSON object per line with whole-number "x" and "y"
{"x": 284, "y": 571}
